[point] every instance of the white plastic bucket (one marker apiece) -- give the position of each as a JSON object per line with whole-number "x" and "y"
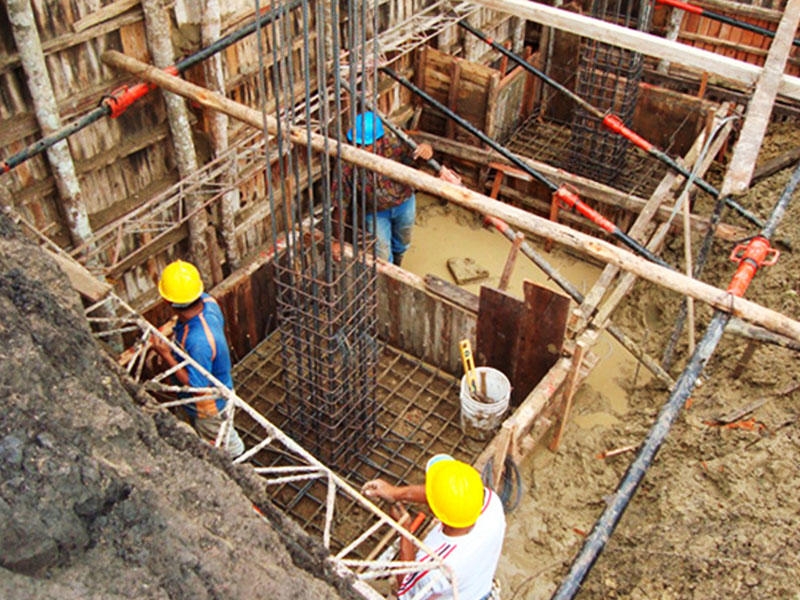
{"x": 480, "y": 419}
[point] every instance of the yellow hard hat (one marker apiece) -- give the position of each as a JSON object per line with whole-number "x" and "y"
{"x": 180, "y": 283}
{"x": 454, "y": 491}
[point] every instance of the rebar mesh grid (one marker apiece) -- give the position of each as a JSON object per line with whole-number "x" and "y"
{"x": 608, "y": 79}
{"x": 548, "y": 142}
{"x": 417, "y": 415}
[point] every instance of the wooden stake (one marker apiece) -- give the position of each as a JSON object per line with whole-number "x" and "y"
{"x": 512, "y": 258}
{"x": 596, "y": 248}
{"x": 26, "y": 37}
{"x": 568, "y": 395}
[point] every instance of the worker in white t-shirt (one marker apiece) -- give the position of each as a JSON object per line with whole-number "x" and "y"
{"x": 468, "y": 538}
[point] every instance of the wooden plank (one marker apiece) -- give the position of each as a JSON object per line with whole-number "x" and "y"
{"x": 638, "y": 41}
{"x": 745, "y": 152}
{"x": 109, "y": 11}
{"x": 451, "y": 292}
{"x": 496, "y": 338}
{"x": 81, "y": 279}
{"x": 776, "y": 164}
{"x": 521, "y": 339}
{"x": 452, "y": 97}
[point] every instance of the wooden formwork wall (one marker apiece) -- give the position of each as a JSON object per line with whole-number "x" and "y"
{"x": 721, "y": 38}
{"x": 477, "y": 93}
{"x": 123, "y": 163}
{"x": 424, "y": 325}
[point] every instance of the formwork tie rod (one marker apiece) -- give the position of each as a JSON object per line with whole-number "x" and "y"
{"x": 699, "y": 10}
{"x": 561, "y": 194}
{"x": 755, "y": 254}
{"x": 615, "y": 124}
{"x": 117, "y": 102}
{"x": 548, "y": 269}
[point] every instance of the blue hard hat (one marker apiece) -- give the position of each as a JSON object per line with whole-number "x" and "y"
{"x": 368, "y": 129}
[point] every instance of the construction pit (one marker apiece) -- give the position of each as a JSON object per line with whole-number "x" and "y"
{"x": 348, "y": 368}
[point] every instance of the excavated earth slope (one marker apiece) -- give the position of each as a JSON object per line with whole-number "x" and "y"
{"x": 100, "y": 499}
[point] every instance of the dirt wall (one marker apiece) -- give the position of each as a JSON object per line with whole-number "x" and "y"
{"x": 100, "y": 499}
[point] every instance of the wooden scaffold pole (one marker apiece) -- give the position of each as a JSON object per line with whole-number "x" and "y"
{"x": 159, "y": 42}
{"x": 218, "y": 128}
{"x": 26, "y": 37}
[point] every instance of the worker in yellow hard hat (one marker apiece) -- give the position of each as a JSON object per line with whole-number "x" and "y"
{"x": 200, "y": 332}
{"x": 468, "y": 537}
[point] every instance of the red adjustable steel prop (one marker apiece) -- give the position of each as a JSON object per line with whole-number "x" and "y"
{"x": 121, "y": 99}
{"x": 751, "y": 257}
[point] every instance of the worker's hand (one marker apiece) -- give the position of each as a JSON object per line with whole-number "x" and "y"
{"x": 423, "y": 151}
{"x": 449, "y": 176}
{"x": 378, "y": 488}
{"x": 160, "y": 346}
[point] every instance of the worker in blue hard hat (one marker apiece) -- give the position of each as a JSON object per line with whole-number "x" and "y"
{"x": 468, "y": 537}
{"x": 395, "y": 203}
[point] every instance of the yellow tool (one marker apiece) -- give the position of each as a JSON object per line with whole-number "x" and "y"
{"x": 469, "y": 365}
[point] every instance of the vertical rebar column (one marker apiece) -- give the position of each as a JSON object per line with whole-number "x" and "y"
{"x": 608, "y": 78}
{"x": 326, "y": 300}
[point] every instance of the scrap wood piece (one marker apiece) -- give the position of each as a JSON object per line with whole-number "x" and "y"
{"x": 617, "y": 451}
{"x": 79, "y": 276}
{"x": 746, "y": 424}
{"x": 466, "y": 270}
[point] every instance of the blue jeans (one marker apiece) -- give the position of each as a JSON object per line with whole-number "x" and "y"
{"x": 394, "y": 227}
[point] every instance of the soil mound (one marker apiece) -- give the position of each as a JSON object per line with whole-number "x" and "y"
{"x": 100, "y": 499}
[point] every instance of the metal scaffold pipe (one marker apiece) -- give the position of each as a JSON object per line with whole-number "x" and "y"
{"x": 614, "y": 124}
{"x": 561, "y": 194}
{"x": 754, "y": 255}
{"x": 116, "y": 103}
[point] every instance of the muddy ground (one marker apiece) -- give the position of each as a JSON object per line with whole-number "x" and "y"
{"x": 101, "y": 499}
{"x": 718, "y": 514}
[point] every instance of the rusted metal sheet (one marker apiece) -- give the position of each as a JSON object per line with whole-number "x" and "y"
{"x": 521, "y": 339}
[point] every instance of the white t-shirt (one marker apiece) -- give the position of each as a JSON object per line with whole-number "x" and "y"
{"x": 472, "y": 557}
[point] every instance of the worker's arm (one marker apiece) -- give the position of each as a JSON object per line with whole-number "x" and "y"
{"x": 407, "y": 551}
{"x": 165, "y": 352}
{"x": 378, "y": 488}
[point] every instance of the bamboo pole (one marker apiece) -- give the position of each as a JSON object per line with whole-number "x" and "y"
{"x": 26, "y": 37}
{"x": 218, "y": 128}
{"x": 596, "y": 248}
{"x": 159, "y": 42}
